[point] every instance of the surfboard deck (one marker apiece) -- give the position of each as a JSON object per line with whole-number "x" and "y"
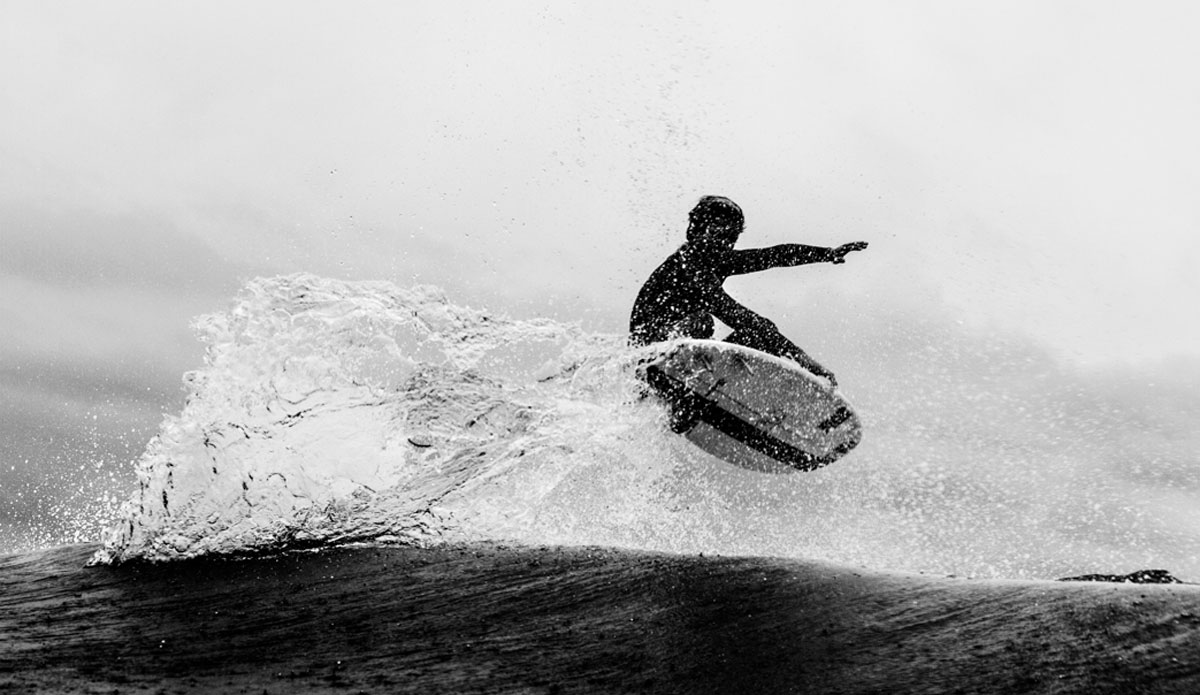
{"x": 755, "y": 410}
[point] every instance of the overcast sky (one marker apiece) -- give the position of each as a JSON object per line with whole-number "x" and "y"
{"x": 1034, "y": 163}
{"x": 1028, "y": 167}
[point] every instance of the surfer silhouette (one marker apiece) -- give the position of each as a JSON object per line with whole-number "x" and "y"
{"x": 685, "y": 293}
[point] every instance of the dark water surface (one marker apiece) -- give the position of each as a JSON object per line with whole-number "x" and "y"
{"x": 542, "y": 620}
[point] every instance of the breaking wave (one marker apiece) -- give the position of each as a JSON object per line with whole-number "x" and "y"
{"x": 331, "y": 412}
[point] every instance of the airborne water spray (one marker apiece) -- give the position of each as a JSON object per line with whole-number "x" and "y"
{"x": 331, "y": 412}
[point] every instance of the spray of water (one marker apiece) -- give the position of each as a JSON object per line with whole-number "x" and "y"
{"x": 330, "y": 412}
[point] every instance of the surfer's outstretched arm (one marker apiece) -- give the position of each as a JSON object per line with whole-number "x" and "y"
{"x": 838, "y": 255}
{"x": 744, "y": 261}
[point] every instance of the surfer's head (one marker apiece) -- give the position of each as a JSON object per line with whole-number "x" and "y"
{"x": 717, "y": 218}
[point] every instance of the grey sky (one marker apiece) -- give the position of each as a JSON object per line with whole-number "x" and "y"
{"x": 1036, "y": 161}
{"x": 1027, "y": 167}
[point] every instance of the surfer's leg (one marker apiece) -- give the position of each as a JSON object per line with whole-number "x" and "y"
{"x": 683, "y": 413}
{"x": 774, "y": 343}
{"x": 699, "y": 325}
{"x": 683, "y": 417}
{"x": 684, "y": 410}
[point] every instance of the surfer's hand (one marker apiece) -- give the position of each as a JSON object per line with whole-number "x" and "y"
{"x": 826, "y": 374}
{"x": 838, "y": 255}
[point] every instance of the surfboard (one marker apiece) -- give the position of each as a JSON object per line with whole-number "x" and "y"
{"x": 757, "y": 411}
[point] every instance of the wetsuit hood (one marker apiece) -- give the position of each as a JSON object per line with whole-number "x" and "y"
{"x": 715, "y": 214}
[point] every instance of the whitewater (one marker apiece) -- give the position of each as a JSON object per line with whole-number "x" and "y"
{"x": 332, "y": 412}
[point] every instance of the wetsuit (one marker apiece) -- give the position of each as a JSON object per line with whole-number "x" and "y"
{"x": 682, "y": 296}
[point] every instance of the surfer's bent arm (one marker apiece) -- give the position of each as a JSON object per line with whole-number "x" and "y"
{"x": 744, "y": 261}
{"x": 760, "y": 333}
{"x": 736, "y": 316}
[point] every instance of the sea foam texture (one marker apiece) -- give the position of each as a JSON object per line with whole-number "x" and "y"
{"x": 330, "y": 412}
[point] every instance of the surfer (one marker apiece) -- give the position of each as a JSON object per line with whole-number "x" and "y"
{"x": 682, "y": 295}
